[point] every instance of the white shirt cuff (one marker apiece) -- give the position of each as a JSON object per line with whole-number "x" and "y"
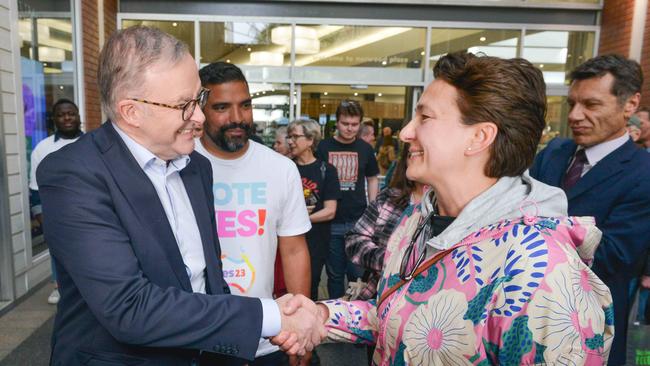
{"x": 271, "y": 318}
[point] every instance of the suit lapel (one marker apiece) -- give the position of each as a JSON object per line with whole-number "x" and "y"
{"x": 610, "y": 165}
{"x": 559, "y": 163}
{"x": 196, "y": 192}
{"x": 143, "y": 198}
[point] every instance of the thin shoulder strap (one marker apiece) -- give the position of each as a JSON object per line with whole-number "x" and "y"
{"x": 423, "y": 267}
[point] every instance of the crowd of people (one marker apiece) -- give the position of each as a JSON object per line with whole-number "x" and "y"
{"x": 177, "y": 239}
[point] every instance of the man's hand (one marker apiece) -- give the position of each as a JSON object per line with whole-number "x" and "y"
{"x": 302, "y": 325}
{"x": 645, "y": 282}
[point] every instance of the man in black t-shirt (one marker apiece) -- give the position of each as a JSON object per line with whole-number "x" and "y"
{"x": 355, "y": 163}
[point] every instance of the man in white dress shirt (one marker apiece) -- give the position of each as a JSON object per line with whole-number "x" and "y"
{"x": 129, "y": 220}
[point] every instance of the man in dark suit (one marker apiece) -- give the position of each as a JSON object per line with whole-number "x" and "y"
{"x": 605, "y": 175}
{"x": 129, "y": 219}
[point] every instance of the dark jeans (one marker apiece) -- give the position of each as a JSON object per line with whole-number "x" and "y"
{"x": 338, "y": 264}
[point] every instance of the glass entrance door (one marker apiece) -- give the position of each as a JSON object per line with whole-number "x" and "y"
{"x": 385, "y": 106}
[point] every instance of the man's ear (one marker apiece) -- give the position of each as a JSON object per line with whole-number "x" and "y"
{"x": 484, "y": 134}
{"x": 129, "y": 112}
{"x": 631, "y": 105}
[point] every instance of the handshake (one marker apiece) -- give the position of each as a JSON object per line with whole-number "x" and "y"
{"x": 303, "y": 324}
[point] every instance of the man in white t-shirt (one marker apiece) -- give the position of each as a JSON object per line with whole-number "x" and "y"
{"x": 68, "y": 129}
{"x": 258, "y": 198}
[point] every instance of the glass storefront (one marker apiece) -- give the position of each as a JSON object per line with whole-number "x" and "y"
{"x": 48, "y": 74}
{"x": 303, "y": 69}
{"x": 385, "y": 105}
{"x": 183, "y": 31}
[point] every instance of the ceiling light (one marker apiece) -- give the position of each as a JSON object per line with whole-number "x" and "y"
{"x": 356, "y": 94}
{"x": 384, "y": 62}
{"x": 482, "y": 39}
{"x": 323, "y": 105}
{"x": 306, "y": 39}
{"x": 422, "y": 53}
{"x": 325, "y": 93}
{"x": 266, "y": 58}
{"x": 174, "y": 24}
{"x": 228, "y": 60}
{"x": 61, "y": 87}
{"x": 541, "y": 66}
{"x": 248, "y": 49}
{"x": 379, "y": 94}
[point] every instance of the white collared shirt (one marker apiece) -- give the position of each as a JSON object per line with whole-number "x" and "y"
{"x": 178, "y": 208}
{"x": 598, "y": 152}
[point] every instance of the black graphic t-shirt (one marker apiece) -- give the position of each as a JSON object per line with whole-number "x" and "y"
{"x": 319, "y": 186}
{"x": 353, "y": 162}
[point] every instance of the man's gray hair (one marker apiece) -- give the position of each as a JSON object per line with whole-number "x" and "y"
{"x": 366, "y": 129}
{"x": 126, "y": 56}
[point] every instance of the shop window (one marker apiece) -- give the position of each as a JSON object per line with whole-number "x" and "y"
{"x": 491, "y": 42}
{"x": 246, "y": 43}
{"x": 48, "y": 74}
{"x": 183, "y": 31}
{"x": 556, "y": 53}
{"x": 360, "y": 46}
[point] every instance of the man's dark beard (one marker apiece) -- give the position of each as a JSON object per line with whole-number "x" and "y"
{"x": 231, "y": 144}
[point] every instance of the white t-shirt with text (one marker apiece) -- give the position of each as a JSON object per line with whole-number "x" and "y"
{"x": 257, "y": 198}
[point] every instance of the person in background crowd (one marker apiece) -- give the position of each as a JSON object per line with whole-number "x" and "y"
{"x": 280, "y": 144}
{"x": 367, "y": 131}
{"x": 643, "y": 113}
{"x": 386, "y": 132}
{"x": 67, "y": 130}
{"x": 365, "y": 244}
{"x": 605, "y": 175}
{"x": 633, "y": 128}
{"x": 356, "y": 166}
{"x": 258, "y": 198}
{"x": 129, "y": 220}
{"x": 386, "y": 155}
{"x": 490, "y": 271}
{"x": 320, "y": 186}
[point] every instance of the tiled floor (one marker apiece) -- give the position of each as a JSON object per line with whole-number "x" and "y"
{"x": 26, "y": 329}
{"x": 19, "y": 323}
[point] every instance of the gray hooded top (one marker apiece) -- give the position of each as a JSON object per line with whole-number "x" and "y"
{"x": 509, "y": 198}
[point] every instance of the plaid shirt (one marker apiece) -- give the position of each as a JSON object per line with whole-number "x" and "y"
{"x": 365, "y": 244}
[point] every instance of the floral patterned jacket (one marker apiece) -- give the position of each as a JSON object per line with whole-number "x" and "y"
{"x": 517, "y": 292}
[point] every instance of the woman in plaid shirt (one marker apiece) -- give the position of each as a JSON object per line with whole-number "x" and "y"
{"x": 365, "y": 244}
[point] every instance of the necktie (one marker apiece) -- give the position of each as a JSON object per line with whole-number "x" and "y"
{"x": 575, "y": 170}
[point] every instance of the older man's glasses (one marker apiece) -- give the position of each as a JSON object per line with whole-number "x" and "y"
{"x": 187, "y": 107}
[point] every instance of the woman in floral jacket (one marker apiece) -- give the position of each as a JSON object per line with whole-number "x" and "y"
{"x": 488, "y": 270}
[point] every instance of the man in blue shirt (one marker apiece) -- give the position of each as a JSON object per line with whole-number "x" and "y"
{"x": 605, "y": 175}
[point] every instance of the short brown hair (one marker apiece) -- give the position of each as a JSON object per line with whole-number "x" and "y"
{"x": 508, "y": 92}
{"x": 349, "y": 107}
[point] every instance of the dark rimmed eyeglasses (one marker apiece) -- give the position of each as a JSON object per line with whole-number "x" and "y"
{"x": 187, "y": 107}
{"x": 408, "y": 266}
{"x": 293, "y": 137}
